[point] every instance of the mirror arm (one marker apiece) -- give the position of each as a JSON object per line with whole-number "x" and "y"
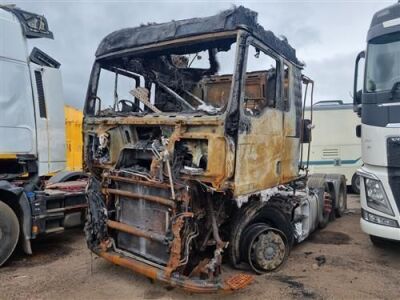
{"x": 356, "y": 101}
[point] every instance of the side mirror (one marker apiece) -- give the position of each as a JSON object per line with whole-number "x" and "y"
{"x": 358, "y": 131}
{"x": 357, "y": 94}
{"x": 306, "y": 131}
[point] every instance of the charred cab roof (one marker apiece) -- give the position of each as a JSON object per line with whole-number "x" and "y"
{"x": 385, "y": 21}
{"x": 119, "y": 41}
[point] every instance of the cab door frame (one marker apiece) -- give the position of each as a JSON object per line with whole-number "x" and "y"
{"x": 260, "y": 138}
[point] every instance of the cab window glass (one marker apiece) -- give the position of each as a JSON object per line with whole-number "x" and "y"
{"x": 261, "y": 82}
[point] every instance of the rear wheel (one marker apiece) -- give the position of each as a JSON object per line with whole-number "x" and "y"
{"x": 341, "y": 200}
{"x": 9, "y": 232}
{"x": 327, "y": 208}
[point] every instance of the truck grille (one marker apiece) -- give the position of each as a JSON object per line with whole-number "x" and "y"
{"x": 144, "y": 215}
{"x": 394, "y": 182}
{"x": 393, "y": 152}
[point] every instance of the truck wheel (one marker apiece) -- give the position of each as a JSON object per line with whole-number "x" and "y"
{"x": 326, "y": 208}
{"x": 266, "y": 248}
{"x": 325, "y": 193}
{"x": 355, "y": 184}
{"x": 341, "y": 200}
{"x": 9, "y": 232}
{"x": 377, "y": 241}
{"x": 339, "y": 193}
{"x": 65, "y": 176}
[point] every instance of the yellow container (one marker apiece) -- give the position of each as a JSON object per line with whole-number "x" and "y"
{"x": 73, "y": 134}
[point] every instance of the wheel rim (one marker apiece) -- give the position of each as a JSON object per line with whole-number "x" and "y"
{"x": 267, "y": 248}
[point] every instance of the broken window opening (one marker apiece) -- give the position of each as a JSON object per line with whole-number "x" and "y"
{"x": 286, "y": 86}
{"x": 183, "y": 79}
{"x": 261, "y": 81}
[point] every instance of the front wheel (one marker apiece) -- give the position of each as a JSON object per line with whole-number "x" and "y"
{"x": 266, "y": 248}
{"x": 355, "y": 184}
{"x": 377, "y": 241}
{"x": 9, "y": 232}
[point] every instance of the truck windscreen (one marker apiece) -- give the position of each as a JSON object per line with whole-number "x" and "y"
{"x": 383, "y": 63}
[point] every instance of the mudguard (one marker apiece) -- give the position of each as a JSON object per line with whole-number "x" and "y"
{"x": 16, "y": 195}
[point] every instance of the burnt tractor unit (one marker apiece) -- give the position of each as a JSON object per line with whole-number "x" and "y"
{"x": 193, "y": 134}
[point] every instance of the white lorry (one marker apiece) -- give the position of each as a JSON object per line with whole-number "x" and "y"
{"x": 35, "y": 197}
{"x": 378, "y": 105}
{"x": 334, "y": 148}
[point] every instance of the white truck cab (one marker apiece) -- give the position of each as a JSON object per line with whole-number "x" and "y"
{"x": 378, "y": 105}
{"x": 31, "y": 96}
{"x": 35, "y": 197}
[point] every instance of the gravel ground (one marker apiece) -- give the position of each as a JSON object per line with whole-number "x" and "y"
{"x": 63, "y": 268}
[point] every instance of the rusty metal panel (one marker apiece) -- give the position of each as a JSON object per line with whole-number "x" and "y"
{"x": 259, "y": 154}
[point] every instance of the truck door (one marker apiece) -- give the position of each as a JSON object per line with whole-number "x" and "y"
{"x": 50, "y": 119}
{"x": 291, "y": 109}
{"x": 260, "y": 137}
{"x": 17, "y": 123}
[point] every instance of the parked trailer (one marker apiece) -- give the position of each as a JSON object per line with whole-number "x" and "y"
{"x": 194, "y": 155}
{"x": 335, "y": 147}
{"x": 35, "y": 197}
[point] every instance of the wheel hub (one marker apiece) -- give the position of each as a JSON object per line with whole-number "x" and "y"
{"x": 269, "y": 251}
{"x": 267, "y": 248}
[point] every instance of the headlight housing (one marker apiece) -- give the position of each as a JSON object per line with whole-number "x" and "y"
{"x": 376, "y": 196}
{"x": 378, "y": 219}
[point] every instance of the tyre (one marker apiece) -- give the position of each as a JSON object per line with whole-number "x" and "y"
{"x": 9, "y": 232}
{"x": 65, "y": 176}
{"x": 377, "y": 241}
{"x": 327, "y": 206}
{"x": 340, "y": 193}
{"x": 341, "y": 201}
{"x": 325, "y": 193}
{"x": 355, "y": 184}
{"x": 266, "y": 249}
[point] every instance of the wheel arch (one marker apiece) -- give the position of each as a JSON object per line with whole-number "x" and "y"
{"x": 16, "y": 199}
{"x": 271, "y": 212}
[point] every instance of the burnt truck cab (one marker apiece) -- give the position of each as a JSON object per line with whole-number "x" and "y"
{"x": 196, "y": 155}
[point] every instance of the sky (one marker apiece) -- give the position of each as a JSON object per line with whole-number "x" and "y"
{"x": 327, "y": 35}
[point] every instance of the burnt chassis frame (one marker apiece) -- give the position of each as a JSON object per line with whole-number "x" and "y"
{"x": 229, "y": 122}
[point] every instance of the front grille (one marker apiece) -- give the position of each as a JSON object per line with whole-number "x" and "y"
{"x": 144, "y": 215}
{"x": 393, "y": 152}
{"x": 393, "y": 160}
{"x": 394, "y": 182}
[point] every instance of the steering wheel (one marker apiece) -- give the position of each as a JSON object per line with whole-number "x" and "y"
{"x": 133, "y": 105}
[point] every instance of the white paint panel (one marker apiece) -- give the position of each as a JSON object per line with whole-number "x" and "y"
{"x": 335, "y": 148}
{"x": 17, "y": 124}
{"x": 51, "y": 129}
{"x": 14, "y": 45}
{"x": 374, "y": 143}
{"x": 16, "y": 140}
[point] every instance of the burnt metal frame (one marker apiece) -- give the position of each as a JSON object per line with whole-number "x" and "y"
{"x": 252, "y": 41}
{"x": 232, "y": 112}
{"x": 89, "y": 107}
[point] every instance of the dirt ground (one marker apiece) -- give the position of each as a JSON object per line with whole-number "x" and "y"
{"x": 63, "y": 268}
